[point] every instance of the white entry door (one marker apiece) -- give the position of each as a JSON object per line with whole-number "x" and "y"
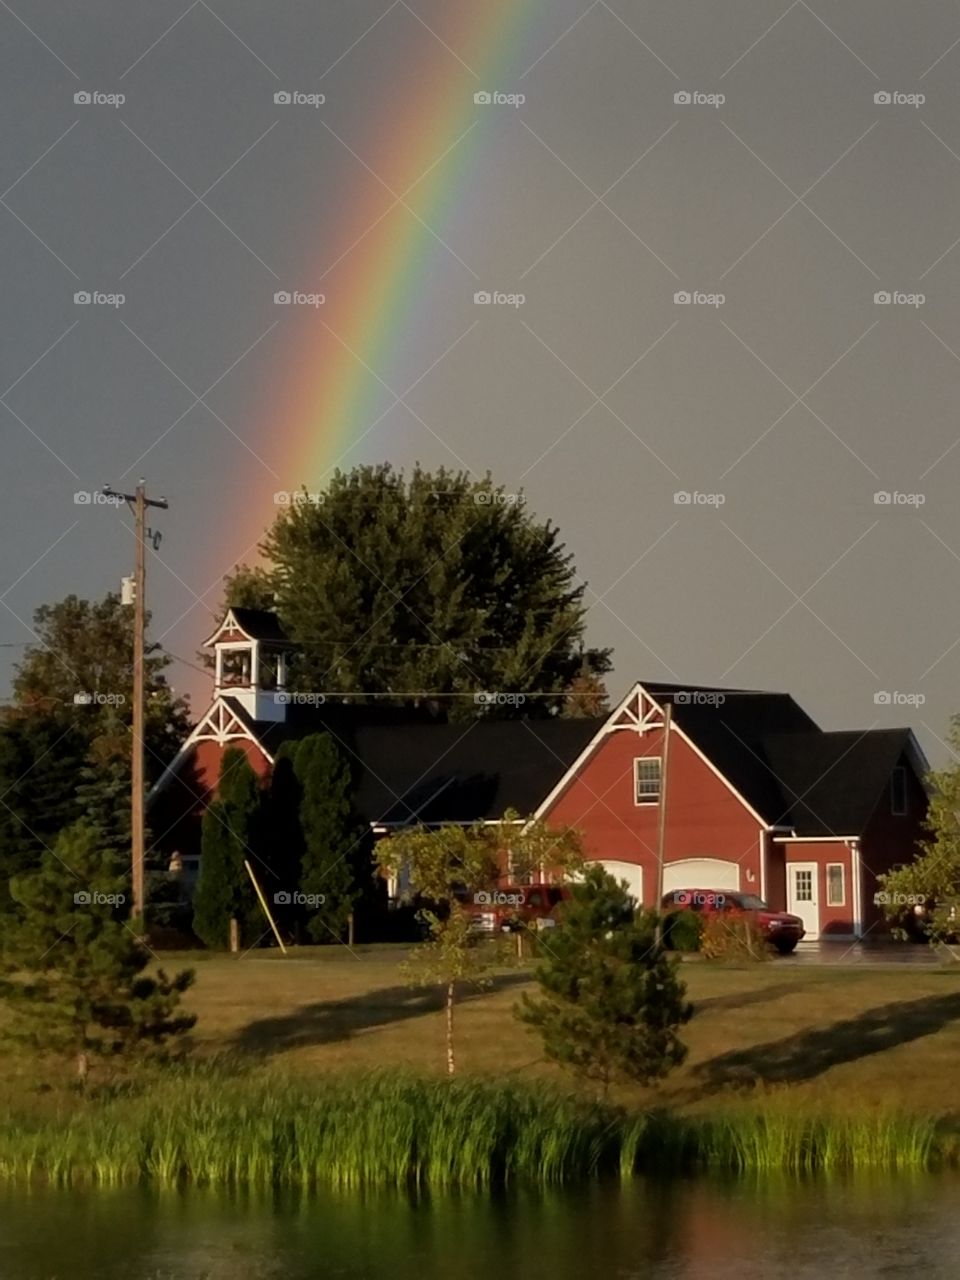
{"x": 803, "y": 896}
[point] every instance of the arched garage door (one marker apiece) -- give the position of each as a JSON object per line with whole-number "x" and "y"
{"x": 628, "y": 871}
{"x": 701, "y": 873}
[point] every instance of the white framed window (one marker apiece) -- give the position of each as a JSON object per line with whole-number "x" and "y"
{"x": 646, "y": 780}
{"x": 836, "y": 884}
{"x": 898, "y": 791}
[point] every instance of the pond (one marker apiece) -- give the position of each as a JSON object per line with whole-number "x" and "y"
{"x": 673, "y": 1230}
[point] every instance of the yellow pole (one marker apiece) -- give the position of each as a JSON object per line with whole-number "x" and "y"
{"x": 266, "y": 909}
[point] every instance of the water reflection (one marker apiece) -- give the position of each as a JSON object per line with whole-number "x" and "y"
{"x": 671, "y": 1230}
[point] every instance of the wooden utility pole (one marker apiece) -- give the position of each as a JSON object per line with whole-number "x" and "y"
{"x": 662, "y": 836}
{"x": 138, "y": 503}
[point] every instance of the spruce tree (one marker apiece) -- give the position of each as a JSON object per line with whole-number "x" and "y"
{"x": 73, "y": 973}
{"x": 231, "y": 833}
{"x": 333, "y": 837}
{"x": 611, "y": 1000}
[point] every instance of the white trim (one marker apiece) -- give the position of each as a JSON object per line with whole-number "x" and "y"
{"x": 843, "y": 884}
{"x": 607, "y": 727}
{"x": 647, "y": 804}
{"x": 637, "y": 690}
{"x": 762, "y": 842}
{"x": 812, "y": 839}
{"x": 857, "y": 888}
{"x": 228, "y": 727}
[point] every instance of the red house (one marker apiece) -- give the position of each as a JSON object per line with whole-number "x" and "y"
{"x": 750, "y": 792}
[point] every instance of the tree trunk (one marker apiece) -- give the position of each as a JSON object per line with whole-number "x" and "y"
{"x": 83, "y": 1068}
{"x": 350, "y": 929}
{"x": 234, "y": 934}
{"x": 451, "y": 1061}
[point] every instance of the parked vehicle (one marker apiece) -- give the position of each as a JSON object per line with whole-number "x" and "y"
{"x": 782, "y": 930}
{"x": 515, "y": 907}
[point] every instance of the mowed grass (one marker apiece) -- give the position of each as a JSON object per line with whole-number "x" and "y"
{"x": 827, "y": 1038}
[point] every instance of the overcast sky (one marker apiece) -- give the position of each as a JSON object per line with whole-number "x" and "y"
{"x": 783, "y": 188}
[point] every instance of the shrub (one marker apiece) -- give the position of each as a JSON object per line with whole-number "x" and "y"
{"x": 733, "y": 938}
{"x": 683, "y": 931}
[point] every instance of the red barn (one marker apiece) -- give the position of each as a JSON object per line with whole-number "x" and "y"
{"x": 751, "y": 793}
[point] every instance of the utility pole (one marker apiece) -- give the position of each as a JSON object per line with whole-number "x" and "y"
{"x": 662, "y": 835}
{"x": 138, "y": 503}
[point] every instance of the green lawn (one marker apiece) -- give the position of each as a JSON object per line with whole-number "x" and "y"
{"x": 827, "y": 1038}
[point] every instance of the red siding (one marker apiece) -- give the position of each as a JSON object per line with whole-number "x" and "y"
{"x": 888, "y": 840}
{"x": 833, "y": 920}
{"x": 704, "y": 818}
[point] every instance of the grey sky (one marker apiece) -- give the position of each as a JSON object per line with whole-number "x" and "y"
{"x": 797, "y": 400}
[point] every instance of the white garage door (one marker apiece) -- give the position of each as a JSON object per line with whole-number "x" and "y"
{"x": 701, "y": 873}
{"x": 628, "y": 871}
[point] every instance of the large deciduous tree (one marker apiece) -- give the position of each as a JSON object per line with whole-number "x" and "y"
{"x": 434, "y": 583}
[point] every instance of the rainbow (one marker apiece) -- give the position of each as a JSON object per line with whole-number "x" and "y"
{"x": 323, "y": 407}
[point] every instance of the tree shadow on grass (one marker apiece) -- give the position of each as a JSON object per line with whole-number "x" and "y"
{"x": 330, "y": 1021}
{"x": 812, "y": 1052}
{"x": 742, "y": 999}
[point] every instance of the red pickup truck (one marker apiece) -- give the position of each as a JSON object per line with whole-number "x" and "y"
{"x": 782, "y": 929}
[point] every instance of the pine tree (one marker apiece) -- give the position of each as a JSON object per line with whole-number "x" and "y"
{"x": 103, "y": 789}
{"x": 611, "y": 1000}
{"x": 333, "y": 838}
{"x": 73, "y": 972}
{"x": 231, "y": 833}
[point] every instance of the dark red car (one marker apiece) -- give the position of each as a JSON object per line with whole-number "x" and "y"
{"x": 782, "y": 929}
{"x": 516, "y": 906}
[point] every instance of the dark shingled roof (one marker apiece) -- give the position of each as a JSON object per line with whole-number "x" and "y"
{"x": 790, "y": 771}
{"x": 407, "y": 765}
{"x": 260, "y": 624}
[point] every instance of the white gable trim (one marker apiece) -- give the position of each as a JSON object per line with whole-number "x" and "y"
{"x": 218, "y": 724}
{"x": 640, "y": 718}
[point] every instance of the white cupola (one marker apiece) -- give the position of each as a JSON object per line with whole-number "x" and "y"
{"x": 250, "y": 662}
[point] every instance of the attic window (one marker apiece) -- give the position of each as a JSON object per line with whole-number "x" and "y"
{"x": 646, "y": 778}
{"x": 898, "y": 792}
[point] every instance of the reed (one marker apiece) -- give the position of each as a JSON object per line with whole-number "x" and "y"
{"x": 390, "y": 1129}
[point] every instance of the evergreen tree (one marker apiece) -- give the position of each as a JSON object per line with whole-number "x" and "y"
{"x": 285, "y": 851}
{"x": 333, "y": 837}
{"x": 38, "y": 757}
{"x": 103, "y": 787}
{"x": 73, "y": 972}
{"x": 611, "y": 1000}
{"x": 231, "y": 833}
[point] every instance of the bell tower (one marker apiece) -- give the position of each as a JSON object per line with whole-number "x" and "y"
{"x": 251, "y": 653}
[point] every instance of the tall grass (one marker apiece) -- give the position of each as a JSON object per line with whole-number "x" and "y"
{"x": 399, "y": 1130}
